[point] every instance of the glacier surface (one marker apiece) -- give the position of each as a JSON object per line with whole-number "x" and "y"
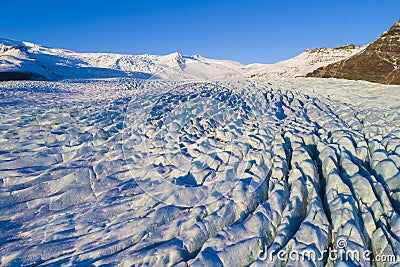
{"x": 198, "y": 173}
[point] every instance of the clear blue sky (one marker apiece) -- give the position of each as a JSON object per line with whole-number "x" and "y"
{"x": 246, "y": 31}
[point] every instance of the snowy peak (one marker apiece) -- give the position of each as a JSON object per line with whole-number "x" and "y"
{"x": 175, "y": 57}
{"x": 44, "y": 63}
{"x": 24, "y": 60}
{"x": 16, "y": 62}
{"x": 303, "y": 63}
{"x": 52, "y": 64}
{"x": 11, "y": 53}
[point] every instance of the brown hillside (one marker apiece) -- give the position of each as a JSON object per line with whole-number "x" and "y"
{"x": 379, "y": 62}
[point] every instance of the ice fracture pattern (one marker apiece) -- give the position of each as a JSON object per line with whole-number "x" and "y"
{"x": 163, "y": 173}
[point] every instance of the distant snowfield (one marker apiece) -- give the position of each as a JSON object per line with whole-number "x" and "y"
{"x": 37, "y": 62}
{"x": 195, "y": 173}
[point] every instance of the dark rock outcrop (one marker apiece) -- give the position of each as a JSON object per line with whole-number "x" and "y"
{"x": 379, "y": 62}
{"x": 16, "y": 75}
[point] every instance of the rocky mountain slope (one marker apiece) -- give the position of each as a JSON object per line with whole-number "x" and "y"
{"x": 28, "y": 61}
{"x": 303, "y": 63}
{"x": 379, "y": 62}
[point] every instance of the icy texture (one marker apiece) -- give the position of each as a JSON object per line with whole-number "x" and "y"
{"x": 153, "y": 173}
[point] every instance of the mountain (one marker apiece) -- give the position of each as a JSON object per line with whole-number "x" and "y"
{"x": 303, "y": 63}
{"x": 27, "y": 61}
{"x": 378, "y": 62}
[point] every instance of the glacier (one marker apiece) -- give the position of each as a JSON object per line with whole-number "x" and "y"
{"x": 196, "y": 172}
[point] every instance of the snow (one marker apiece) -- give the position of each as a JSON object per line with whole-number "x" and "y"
{"x": 302, "y": 64}
{"x": 160, "y": 172}
{"x": 58, "y": 64}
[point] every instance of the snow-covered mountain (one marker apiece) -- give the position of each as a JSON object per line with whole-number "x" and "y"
{"x": 24, "y": 60}
{"x": 303, "y": 63}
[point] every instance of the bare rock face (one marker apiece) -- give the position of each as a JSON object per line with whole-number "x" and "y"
{"x": 379, "y": 62}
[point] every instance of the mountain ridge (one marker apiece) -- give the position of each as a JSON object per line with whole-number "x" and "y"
{"x": 26, "y": 60}
{"x": 379, "y": 62}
